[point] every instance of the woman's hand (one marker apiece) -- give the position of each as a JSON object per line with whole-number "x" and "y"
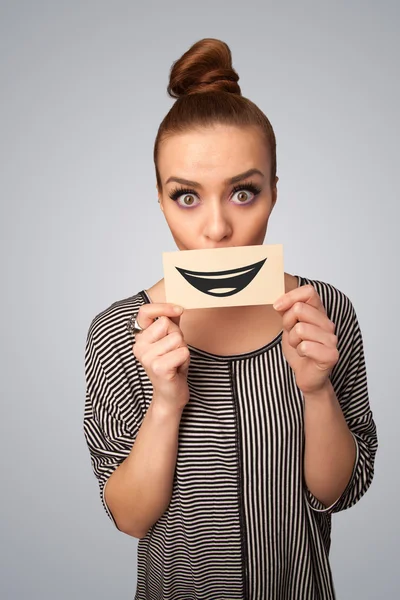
{"x": 309, "y": 343}
{"x": 162, "y": 351}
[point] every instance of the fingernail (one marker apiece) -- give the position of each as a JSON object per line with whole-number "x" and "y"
{"x": 178, "y": 310}
{"x": 278, "y": 304}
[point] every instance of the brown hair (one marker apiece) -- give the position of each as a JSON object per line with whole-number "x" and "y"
{"x": 207, "y": 91}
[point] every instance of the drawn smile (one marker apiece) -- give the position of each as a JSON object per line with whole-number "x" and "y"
{"x": 222, "y": 283}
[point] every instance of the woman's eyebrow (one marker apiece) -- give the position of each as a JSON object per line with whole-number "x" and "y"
{"x": 234, "y": 179}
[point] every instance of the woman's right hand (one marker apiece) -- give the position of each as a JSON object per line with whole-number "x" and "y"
{"x": 163, "y": 352}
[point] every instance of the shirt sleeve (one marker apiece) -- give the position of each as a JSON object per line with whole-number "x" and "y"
{"x": 113, "y": 411}
{"x": 349, "y": 380}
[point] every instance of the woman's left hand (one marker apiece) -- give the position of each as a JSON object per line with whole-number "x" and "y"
{"x": 309, "y": 343}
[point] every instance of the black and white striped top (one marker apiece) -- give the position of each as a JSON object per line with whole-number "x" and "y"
{"x": 241, "y": 523}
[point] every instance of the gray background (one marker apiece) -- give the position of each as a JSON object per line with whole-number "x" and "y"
{"x": 83, "y": 90}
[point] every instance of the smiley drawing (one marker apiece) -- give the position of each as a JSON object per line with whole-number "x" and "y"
{"x": 222, "y": 283}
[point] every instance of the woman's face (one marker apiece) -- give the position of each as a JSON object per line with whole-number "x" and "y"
{"x": 216, "y": 187}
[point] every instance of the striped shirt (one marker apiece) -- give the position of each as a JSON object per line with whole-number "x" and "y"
{"x": 241, "y": 523}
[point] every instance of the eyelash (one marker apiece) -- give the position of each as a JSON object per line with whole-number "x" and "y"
{"x": 243, "y": 187}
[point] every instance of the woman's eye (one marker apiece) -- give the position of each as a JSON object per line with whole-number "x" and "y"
{"x": 187, "y": 200}
{"x": 243, "y": 196}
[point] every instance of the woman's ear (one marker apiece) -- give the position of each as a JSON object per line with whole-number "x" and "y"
{"x": 159, "y": 198}
{"x": 274, "y": 192}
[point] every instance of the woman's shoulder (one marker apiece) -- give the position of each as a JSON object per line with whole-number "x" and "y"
{"x": 323, "y": 287}
{"x": 337, "y": 303}
{"x": 115, "y": 317}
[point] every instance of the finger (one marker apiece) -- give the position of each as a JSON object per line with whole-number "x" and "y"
{"x": 158, "y": 330}
{"x": 170, "y": 342}
{"x": 149, "y": 312}
{"x": 323, "y": 356}
{"x": 304, "y": 331}
{"x": 308, "y": 314}
{"x": 176, "y": 320}
{"x": 184, "y": 367}
{"x": 166, "y": 366}
{"x": 305, "y": 293}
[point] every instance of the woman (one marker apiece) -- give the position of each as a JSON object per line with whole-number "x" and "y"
{"x": 227, "y": 436}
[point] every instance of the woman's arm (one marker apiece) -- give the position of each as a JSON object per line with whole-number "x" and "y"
{"x": 139, "y": 491}
{"x": 330, "y": 370}
{"x": 330, "y": 448}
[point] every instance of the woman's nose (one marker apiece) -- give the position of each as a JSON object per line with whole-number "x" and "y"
{"x": 217, "y": 226}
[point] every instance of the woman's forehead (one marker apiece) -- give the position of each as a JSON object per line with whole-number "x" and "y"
{"x": 222, "y": 150}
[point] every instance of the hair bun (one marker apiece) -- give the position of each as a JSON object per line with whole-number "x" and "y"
{"x": 205, "y": 67}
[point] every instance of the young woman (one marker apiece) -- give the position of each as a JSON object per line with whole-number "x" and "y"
{"x": 227, "y": 437}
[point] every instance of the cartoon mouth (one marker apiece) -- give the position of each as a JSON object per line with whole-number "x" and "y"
{"x": 222, "y": 283}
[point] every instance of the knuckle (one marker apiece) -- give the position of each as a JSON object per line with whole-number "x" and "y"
{"x": 185, "y": 351}
{"x": 176, "y": 337}
{"x": 155, "y": 327}
{"x": 157, "y": 367}
{"x": 143, "y": 358}
{"x": 297, "y": 308}
{"x": 299, "y": 328}
{"x": 141, "y": 313}
{"x": 312, "y": 289}
{"x": 303, "y": 347}
{"x": 162, "y": 323}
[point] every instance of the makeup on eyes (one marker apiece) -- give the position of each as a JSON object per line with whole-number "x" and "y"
{"x": 251, "y": 187}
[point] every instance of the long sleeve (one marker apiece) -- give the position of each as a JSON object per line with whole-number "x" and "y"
{"x": 113, "y": 408}
{"x": 349, "y": 380}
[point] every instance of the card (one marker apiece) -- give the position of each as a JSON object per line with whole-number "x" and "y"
{"x": 235, "y": 276}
